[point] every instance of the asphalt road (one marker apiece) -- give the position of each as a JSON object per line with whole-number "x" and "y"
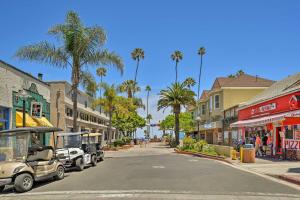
{"x": 156, "y": 172}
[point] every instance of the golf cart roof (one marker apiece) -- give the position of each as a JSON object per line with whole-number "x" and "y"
{"x": 92, "y": 134}
{"x": 30, "y": 130}
{"x": 71, "y": 133}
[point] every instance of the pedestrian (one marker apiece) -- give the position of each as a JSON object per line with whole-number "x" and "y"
{"x": 258, "y": 145}
{"x": 265, "y": 144}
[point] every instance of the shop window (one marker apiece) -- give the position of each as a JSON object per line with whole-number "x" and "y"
{"x": 289, "y": 134}
{"x": 217, "y": 101}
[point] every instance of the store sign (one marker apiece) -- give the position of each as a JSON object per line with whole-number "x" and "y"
{"x": 297, "y": 135}
{"x": 36, "y": 109}
{"x": 281, "y": 104}
{"x": 292, "y": 144}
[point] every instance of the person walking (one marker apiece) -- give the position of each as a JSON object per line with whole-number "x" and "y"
{"x": 257, "y": 145}
{"x": 265, "y": 144}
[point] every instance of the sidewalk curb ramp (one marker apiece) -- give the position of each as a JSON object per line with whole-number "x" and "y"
{"x": 290, "y": 178}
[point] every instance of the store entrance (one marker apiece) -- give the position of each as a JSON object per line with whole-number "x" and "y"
{"x": 278, "y": 141}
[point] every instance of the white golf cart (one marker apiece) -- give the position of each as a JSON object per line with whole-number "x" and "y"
{"x": 94, "y": 141}
{"x": 24, "y": 160}
{"x": 73, "y": 153}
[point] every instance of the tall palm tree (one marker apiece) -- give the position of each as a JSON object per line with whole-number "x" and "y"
{"x": 137, "y": 54}
{"x": 80, "y": 46}
{"x": 89, "y": 84}
{"x": 108, "y": 103}
{"x": 176, "y": 56}
{"x": 101, "y": 71}
{"x": 148, "y": 89}
{"x": 201, "y": 52}
{"x": 175, "y": 96}
{"x": 189, "y": 82}
{"x": 130, "y": 87}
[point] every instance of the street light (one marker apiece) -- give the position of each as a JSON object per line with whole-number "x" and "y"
{"x": 23, "y": 93}
{"x": 198, "y": 123}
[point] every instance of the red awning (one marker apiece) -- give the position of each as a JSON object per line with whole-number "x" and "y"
{"x": 291, "y": 121}
{"x": 265, "y": 120}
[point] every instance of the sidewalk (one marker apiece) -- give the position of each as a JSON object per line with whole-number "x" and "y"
{"x": 286, "y": 170}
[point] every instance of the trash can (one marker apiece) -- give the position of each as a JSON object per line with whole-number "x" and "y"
{"x": 248, "y": 153}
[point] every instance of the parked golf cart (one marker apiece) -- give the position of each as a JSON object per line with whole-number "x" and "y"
{"x": 72, "y": 153}
{"x": 94, "y": 140}
{"x": 23, "y": 160}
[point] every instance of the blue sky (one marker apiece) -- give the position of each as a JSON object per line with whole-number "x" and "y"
{"x": 260, "y": 37}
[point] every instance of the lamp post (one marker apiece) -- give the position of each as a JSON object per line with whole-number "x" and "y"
{"x": 23, "y": 93}
{"x": 198, "y": 125}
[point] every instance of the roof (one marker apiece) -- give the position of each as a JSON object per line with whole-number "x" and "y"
{"x": 285, "y": 86}
{"x": 25, "y": 73}
{"x": 31, "y": 130}
{"x": 244, "y": 80}
{"x": 204, "y": 94}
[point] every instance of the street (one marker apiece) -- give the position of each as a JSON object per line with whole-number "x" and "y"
{"x": 156, "y": 170}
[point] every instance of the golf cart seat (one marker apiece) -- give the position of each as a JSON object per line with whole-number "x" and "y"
{"x": 41, "y": 157}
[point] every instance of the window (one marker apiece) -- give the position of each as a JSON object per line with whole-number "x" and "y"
{"x": 203, "y": 109}
{"x": 289, "y": 133}
{"x": 69, "y": 112}
{"x": 217, "y": 101}
{"x": 85, "y": 104}
{"x": 210, "y": 103}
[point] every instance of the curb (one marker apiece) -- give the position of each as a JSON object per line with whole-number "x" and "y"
{"x": 289, "y": 179}
{"x": 219, "y": 158}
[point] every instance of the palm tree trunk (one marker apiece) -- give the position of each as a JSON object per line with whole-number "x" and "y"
{"x": 100, "y": 90}
{"x": 199, "y": 79}
{"x": 109, "y": 128}
{"x": 176, "y": 112}
{"x": 136, "y": 69}
{"x": 148, "y": 129}
{"x": 75, "y": 83}
{"x": 176, "y": 72}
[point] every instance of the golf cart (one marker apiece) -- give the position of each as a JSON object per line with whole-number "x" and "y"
{"x": 94, "y": 141}
{"x": 73, "y": 153}
{"x": 23, "y": 160}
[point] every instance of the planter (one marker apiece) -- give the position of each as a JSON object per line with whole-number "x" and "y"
{"x": 221, "y": 158}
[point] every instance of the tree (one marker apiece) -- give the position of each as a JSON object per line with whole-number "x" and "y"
{"x": 175, "y": 96}
{"x": 130, "y": 87}
{"x": 109, "y": 103}
{"x": 101, "y": 72}
{"x": 148, "y": 89}
{"x": 89, "y": 84}
{"x": 240, "y": 72}
{"x": 80, "y": 46}
{"x": 185, "y": 120}
{"x": 190, "y": 82}
{"x": 201, "y": 52}
{"x": 176, "y": 56}
{"x": 137, "y": 54}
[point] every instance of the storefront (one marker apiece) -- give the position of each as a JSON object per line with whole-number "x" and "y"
{"x": 276, "y": 122}
{"x": 4, "y": 118}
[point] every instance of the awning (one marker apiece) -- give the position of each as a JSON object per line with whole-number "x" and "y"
{"x": 264, "y": 120}
{"x": 29, "y": 120}
{"x": 43, "y": 121}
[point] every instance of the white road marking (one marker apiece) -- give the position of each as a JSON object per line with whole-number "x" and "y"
{"x": 158, "y": 167}
{"x": 193, "y": 160}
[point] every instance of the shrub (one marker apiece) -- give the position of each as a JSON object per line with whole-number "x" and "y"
{"x": 210, "y": 150}
{"x": 118, "y": 143}
{"x": 198, "y": 146}
{"x": 188, "y": 143}
{"x": 126, "y": 140}
{"x": 173, "y": 143}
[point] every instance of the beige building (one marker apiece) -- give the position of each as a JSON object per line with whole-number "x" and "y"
{"x": 88, "y": 119}
{"x": 225, "y": 93}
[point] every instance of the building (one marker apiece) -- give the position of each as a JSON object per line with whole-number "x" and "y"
{"x": 230, "y": 134}
{"x": 225, "y": 93}
{"x": 14, "y": 83}
{"x": 88, "y": 119}
{"x": 274, "y": 115}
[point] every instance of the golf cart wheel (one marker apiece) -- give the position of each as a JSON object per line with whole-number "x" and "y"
{"x": 23, "y": 182}
{"x": 60, "y": 173}
{"x": 79, "y": 164}
{"x": 94, "y": 160}
{"x": 2, "y": 188}
{"x": 101, "y": 159}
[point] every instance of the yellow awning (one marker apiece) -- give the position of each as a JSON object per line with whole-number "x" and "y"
{"x": 28, "y": 123}
{"x": 43, "y": 121}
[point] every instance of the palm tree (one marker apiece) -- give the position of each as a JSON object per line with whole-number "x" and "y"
{"x": 176, "y": 56}
{"x": 201, "y": 52}
{"x": 108, "y": 103}
{"x": 130, "y": 87}
{"x": 101, "y": 71}
{"x": 240, "y": 72}
{"x": 148, "y": 89}
{"x": 175, "y": 96}
{"x": 189, "y": 82}
{"x": 89, "y": 84}
{"x": 80, "y": 46}
{"x": 137, "y": 54}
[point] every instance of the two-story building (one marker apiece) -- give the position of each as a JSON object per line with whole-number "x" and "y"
{"x": 225, "y": 93}
{"x": 88, "y": 118}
